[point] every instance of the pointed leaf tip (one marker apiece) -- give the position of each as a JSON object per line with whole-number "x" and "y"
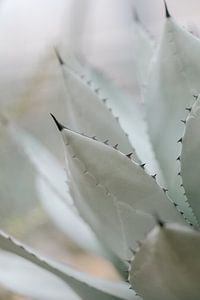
{"x": 135, "y": 16}
{"x": 59, "y": 125}
{"x": 61, "y": 62}
{"x": 167, "y": 14}
{"x": 158, "y": 220}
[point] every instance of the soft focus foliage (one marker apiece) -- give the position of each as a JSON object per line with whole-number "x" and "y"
{"x": 129, "y": 100}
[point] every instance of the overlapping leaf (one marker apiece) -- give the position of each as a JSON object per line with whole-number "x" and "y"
{"x": 88, "y": 288}
{"x": 86, "y": 113}
{"x": 54, "y": 192}
{"x": 113, "y": 193}
{"x": 167, "y": 266}
{"x": 26, "y": 279}
{"x": 173, "y": 81}
{"x": 190, "y": 159}
{"x": 129, "y": 109}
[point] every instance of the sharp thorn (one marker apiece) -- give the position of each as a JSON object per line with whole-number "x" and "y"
{"x": 132, "y": 251}
{"x": 180, "y": 140}
{"x": 128, "y": 261}
{"x": 89, "y": 82}
{"x": 165, "y": 190}
{"x": 179, "y": 174}
{"x": 142, "y": 166}
{"x": 116, "y": 146}
{"x": 59, "y": 125}
{"x": 61, "y": 62}
{"x": 178, "y": 158}
{"x": 159, "y": 222}
{"x": 183, "y": 121}
{"x": 188, "y": 109}
{"x": 106, "y": 142}
{"x": 129, "y": 155}
{"x": 167, "y": 14}
{"x": 135, "y": 16}
{"x": 154, "y": 176}
{"x": 139, "y": 244}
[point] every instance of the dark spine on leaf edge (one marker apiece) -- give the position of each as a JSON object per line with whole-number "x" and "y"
{"x": 59, "y": 125}
{"x": 167, "y": 14}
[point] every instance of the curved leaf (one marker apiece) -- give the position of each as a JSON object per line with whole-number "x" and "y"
{"x": 167, "y": 265}
{"x": 54, "y": 192}
{"x": 44, "y": 162}
{"x": 26, "y": 279}
{"x": 106, "y": 184}
{"x": 69, "y": 222}
{"x": 190, "y": 159}
{"x": 174, "y": 79}
{"x": 129, "y": 109}
{"x": 87, "y": 113}
{"x": 87, "y": 287}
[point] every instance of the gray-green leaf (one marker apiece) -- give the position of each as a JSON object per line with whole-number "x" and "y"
{"x": 113, "y": 193}
{"x": 87, "y": 287}
{"x": 173, "y": 80}
{"x": 167, "y": 266}
{"x": 190, "y": 159}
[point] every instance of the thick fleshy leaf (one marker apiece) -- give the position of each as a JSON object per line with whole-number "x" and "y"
{"x": 143, "y": 52}
{"x": 87, "y": 287}
{"x": 54, "y": 192}
{"x": 26, "y": 279}
{"x": 44, "y": 162}
{"x": 167, "y": 265}
{"x": 113, "y": 193}
{"x": 86, "y": 113}
{"x": 129, "y": 109}
{"x": 173, "y": 81}
{"x": 143, "y": 49}
{"x": 68, "y": 221}
{"x": 131, "y": 119}
{"x": 190, "y": 159}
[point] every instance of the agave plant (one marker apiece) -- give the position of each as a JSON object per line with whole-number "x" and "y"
{"x": 133, "y": 177}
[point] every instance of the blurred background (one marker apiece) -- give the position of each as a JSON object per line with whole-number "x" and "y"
{"x": 31, "y": 86}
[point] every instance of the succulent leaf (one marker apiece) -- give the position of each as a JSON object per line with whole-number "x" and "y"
{"x": 44, "y": 162}
{"x": 143, "y": 53}
{"x": 190, "y": 159}
{"x": 67, "y": 220}
{"x": 129, "y": 109}
{"x": 173, "y": 80}
{"x": 106, "y": 185}
{"x": 86, "y": 112}
{"x": 143, "y": 50}
{"x": 51, "y": 185}
{"x": 131, "y": 118}
{"x": 87, "y": 287}
{"x": 167, "y": 265}
{"x": 28, "y": 280}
